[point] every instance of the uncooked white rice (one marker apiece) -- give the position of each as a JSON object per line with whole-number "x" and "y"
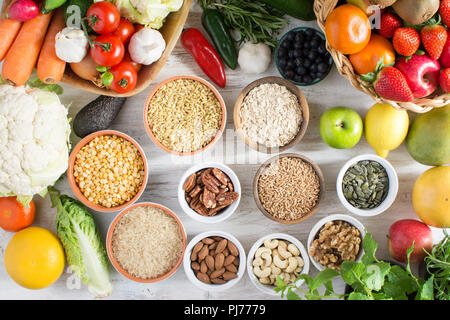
{"x": 147, "y": 242}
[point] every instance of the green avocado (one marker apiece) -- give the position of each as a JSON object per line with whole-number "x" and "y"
{"x": 97, "y": 115}
{"x": 428, "y": 140}
{"x": 300, "y": 9}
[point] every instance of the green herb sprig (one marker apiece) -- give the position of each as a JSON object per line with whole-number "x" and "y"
{"x": 254, "y": 22}
{"x": 438, "y": 265}
{"x": 370, "y": 279}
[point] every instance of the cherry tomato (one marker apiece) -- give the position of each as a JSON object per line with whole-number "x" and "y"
{"x": 103, "y": 17}
{"x": 124, "y": 31}
{"x": 127, "y": 58}
{"x": 14, "y": 216}
{"x": 125, "y": 77}
{"x": 108, "y": 50}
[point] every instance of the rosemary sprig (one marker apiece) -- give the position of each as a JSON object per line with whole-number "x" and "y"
{"x": 254, "y": 22}
{"x": 438, "y": 265}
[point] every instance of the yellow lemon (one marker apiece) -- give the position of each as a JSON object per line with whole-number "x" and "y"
{"x": 431, "y": 197}
{"x": 385, "y": 128}
{"x": 34, "y": 258}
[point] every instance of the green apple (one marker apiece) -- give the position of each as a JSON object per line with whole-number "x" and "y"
{"x": 341, "y": 127}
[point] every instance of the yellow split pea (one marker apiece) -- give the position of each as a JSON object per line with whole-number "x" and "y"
{"x": 109, "y": 171}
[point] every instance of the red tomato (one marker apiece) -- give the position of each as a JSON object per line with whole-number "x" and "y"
{"x": 125, "y": 77}
{"x": 124, "y": 31}
{"x": 14, "y": 216}
{"x": 108, "y": 50}
{"x": 127, "y": 58}
{"x": 103, "y": 17}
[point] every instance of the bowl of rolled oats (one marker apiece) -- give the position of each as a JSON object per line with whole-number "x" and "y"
{"x": 288, "y": 188}
{"x": 107, "y": 171}
{"x": 271, "y": 115}
{"x": 334, "y": 239}
{"x": 184, "y": 115}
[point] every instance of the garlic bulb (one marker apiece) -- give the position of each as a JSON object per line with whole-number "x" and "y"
{"x": 254, "y": 57}
{"x": 146, "y": 46}
{"x": 71, "y": 45}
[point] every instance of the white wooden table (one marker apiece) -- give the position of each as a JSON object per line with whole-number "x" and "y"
{"x": 247, "y": 223}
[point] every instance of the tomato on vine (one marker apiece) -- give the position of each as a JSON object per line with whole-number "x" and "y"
{"x": 124, "y": 77}
{"x": 124, "y": 31}
{"x": 107, "y": 50}
{"x": 103, "y": 17}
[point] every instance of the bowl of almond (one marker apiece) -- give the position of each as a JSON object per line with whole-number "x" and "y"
{"x": 209, "y": 192}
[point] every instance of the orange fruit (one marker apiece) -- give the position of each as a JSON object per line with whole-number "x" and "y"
{"x": 367, "y": 59}
{"x": 348, "y": 29}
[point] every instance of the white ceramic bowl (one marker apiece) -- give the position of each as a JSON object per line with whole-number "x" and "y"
{"x": 344, "y": 217}
{"x": 270, "y": 289}
{"x": 227, "y": 212}
{"x": 213, "y": 287}
{"x": 392, "y": 192}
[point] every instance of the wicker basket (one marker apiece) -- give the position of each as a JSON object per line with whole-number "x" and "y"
{"x": 322, "y": 9}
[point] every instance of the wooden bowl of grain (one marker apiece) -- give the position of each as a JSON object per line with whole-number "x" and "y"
{"x": 288, "y": 188}
{"x": 241, "y": 121}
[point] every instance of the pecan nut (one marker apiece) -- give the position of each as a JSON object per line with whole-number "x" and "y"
{"x": 227, "y": 198}
{"x": 190, "y": 183}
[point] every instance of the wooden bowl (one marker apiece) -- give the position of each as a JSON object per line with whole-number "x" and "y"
{"x": 238, "y": 121}
{"x": 116, "y": 264}
{"x": 219, "y": 131}
{"x": 289, "y": 155}
{"x": 171, "y": 31}
{"x": 74, "y": 186}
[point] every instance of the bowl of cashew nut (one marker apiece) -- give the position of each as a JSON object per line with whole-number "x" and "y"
{"x": 274, "y": 255}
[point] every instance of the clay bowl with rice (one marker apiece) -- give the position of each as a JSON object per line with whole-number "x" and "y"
{"x": 288, "y": 188}
{"x": 185, "y": 115}
{"x": 107, "y": 171}
{"x": 146, "y": 242}
{"x": 271, "y": 115}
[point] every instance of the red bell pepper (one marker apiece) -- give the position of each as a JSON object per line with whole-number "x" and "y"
{"x": 205, "y": 55}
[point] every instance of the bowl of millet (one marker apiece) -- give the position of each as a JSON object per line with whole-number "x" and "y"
{"x": 107, "y": 171}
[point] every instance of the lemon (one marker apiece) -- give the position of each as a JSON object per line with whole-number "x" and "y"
{"x": 385, "y": 128}
{"x": 34, "y": 258}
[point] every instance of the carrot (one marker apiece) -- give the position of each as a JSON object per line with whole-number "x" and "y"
{"x": 50, "y": 68}
{"x": 23, "y": 54}
{"x": 9, "y": 29}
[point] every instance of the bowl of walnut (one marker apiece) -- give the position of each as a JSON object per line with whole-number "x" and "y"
{"x": 209, "y": 192}
{"x": 276, "y": 255}
{"x": 334, "y": 239}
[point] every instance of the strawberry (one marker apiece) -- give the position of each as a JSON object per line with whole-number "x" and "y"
{"x": 444, "y": 12}
{"x": 406, "y": 41}
{"x": 434, "y": 37}
{"x": 389, "y": 83}
{"x": 389, "y": 22}
{"x": 444, "y": 80}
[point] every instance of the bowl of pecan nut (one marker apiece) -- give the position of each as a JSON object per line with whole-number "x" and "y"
{"x": 334, "y": 239}
{"x": 209, "y": 192}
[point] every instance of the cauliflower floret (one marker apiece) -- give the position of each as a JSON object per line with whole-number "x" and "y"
{"x": 34, "y": 135}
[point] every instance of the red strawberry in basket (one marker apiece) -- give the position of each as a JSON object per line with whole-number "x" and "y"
{"x": 389, "y": 22}
{"x": 444, "y": 80}
{"x": 389, "y": 83}
{"x": 434, "y": 37}
{"x": 406, "y": 41}
{"x": 444, "y": 11}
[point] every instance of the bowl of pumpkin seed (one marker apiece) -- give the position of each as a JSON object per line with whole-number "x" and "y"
{"x": 367, "y": 185}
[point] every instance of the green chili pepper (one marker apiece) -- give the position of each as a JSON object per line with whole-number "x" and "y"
{"x": 214, "y": 24}
{"x": 49, "y": 5}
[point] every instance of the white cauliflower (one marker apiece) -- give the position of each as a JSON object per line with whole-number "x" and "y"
{"x": 34, "y": 141}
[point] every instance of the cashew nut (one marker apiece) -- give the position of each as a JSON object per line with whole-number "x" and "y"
{"x": 292, "y": 248}
{"x": 282, "y": 244}
{"x": 271, "y": 244}
{"x": 268, "y": 258}
{"x": 283, "y": 252}
{"x": 293, "y": 263}
{"x": 265, "y": 280}
{"x": 273, "y": 278}
{"x": 275, "y": 270}
{"x": 282, "y": 264}
{"x": 261, "y": 250}
{"x": 298, "y": 270}
{"x": 257, "y": 262}
{"x": 264, "y": 273}
{"x": 300, "y": 261}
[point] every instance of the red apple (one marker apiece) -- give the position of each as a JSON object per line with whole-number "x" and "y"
{"x": 421, "y": 73}
{"x": 444, "y": 60}
{"x": 403, "y": 234}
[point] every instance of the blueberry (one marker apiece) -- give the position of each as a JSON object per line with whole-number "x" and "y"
{"x": 285, "y": 44}
{"x": 308, "y": 79}
{"x": 321, "y": 49}
{"x": 300, "y": 70}
{"x": 298, "y": 78}
{"x": 298, "y": 62}
{"x": 299, "y": 36}
{"x": 281, "y": 52}
{"x": 290, "y": 74}
{"x": 307, "y": 63}
{"x": 310, "y": 33}
{"x": 298, "y": 45}
{"x": 313, "y": 68}
{"x": 290, "y": 36}
{"x": 297, "y": 53}
{"x": 320, "y": 75}
{"x": 290, "y": 65}
{"x": 322, "y": 67}
{"x": 306, "y": 45}
{"x": 282, "y": 63}
{"x": 312, "y": 55}
{"x": 314, "y": 43}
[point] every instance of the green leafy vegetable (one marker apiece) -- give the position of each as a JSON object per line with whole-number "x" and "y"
{"x": 438, "y": 266}
{"x": 85, "y": 252}
{"x": 35, "y": 82}
{"x": 370, "y": 279}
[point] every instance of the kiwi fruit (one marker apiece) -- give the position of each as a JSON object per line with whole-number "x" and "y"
{"x": 382, "y": 3}
{"x": 416, "y": 12}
